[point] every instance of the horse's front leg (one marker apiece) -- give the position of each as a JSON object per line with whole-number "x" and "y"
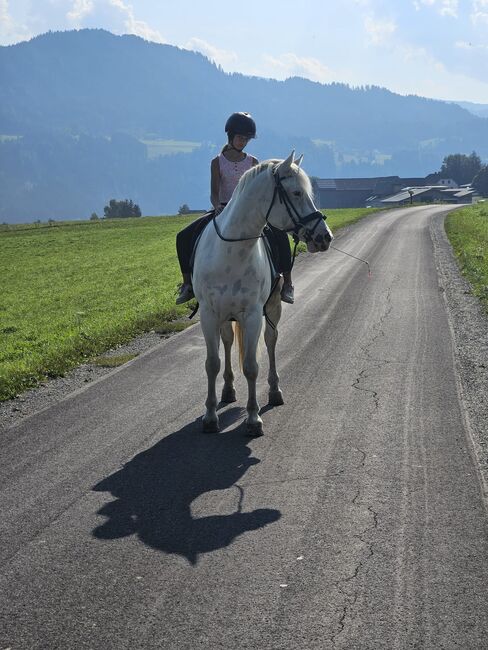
{"x": 228, "y": 391}
{"x": 273, "y": 311}
{"x": 211, "y": 332}
{"x": 251, "y": 332}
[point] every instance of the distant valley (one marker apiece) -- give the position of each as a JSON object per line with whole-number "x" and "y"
{"x": 87, "y": 116}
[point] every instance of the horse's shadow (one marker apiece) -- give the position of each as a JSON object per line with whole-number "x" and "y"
{"x": 154, "y": 492}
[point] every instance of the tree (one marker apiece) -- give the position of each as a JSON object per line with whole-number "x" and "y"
{"x": 94, "y": 216}
{"x": 121, "y": 209}
{"x": 460, "y": 167}
{"x": 184, "y": 209}
{"x": 480, "y": 181}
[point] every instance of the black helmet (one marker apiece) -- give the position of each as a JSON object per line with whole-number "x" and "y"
{"x": 240, "y": 124}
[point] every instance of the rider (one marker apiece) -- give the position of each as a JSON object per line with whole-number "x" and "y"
{"x": 225, "y": 170}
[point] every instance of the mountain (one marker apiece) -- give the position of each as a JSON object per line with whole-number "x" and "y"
{"x": 477, "y": 109}
{"x": 80, "y": 107}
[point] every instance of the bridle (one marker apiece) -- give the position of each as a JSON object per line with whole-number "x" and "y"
{"x": 298, "y": 221}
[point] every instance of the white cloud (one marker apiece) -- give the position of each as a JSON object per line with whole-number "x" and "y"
{"x": 219, "y": 56}
{"x": 115, "y": 15}
{"x": 379, "y": 31}
{"x": 5, "y": 18}
{"x": 449, "y": 8}
{"x": 10, "y": 31}
{"x": 79, "y": 10}
{"x": 443, "y": 7}
{"x": 471, "y": 47}
{"x": 479, "y": 13}
{"x": 134, "y": 26}
{"x": 291, "y": 65}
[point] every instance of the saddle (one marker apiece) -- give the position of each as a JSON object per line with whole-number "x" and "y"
{"x": 267, "y": 237}
{"x": 269, "y": 247}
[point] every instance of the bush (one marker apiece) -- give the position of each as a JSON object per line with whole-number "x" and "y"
{"x": 184, "y": 209}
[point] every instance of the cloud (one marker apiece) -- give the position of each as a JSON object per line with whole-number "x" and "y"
{"x": 221, "y": 57}
{"x": 379, "y": 31}
{"x": 443, "y": 7}
{"x": 467, "y": 45}
{"x": 5, "y": 18}
{"x": 291, "y": 65}
{"x": 79, "y": 10}
{"x": 115, "y": 15}
{"x": 479, "y": 13}
{"x": 137, "y": 27}
{"x": 10, "y": 31}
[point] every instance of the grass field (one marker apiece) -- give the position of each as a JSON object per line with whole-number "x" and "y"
{"x": 467, "y": 230}
{"x": 70, "y": 291}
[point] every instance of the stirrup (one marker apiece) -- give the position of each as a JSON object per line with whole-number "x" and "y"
{"x": 185, "y": 294}
{"x": 288, "y": 294}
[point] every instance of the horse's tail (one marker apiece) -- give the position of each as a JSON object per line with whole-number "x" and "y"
{"x": 239, "y": 337}
{"x": 240, "y": 342}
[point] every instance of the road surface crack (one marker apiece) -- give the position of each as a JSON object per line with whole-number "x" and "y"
{"x": 351, "y": 597}
{"x": 374, "y": 364}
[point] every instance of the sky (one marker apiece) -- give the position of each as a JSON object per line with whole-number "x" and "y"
{"x": 432, "y": 48}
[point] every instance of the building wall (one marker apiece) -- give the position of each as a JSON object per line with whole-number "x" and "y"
{"x": 342, "y": 198}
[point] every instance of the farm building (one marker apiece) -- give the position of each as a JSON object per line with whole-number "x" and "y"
{"x": 354, "y": 192}
{"x": 426, "y": 194}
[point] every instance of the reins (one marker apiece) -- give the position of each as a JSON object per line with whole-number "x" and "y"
{"x": 298, "y": 221}
{"x": 217, "y": 230}
{"x": 360, "y": 259}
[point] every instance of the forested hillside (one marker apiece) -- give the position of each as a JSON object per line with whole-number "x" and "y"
{"x": 84, "y": 112}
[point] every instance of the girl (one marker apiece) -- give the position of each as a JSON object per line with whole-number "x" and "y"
{"x": 225, "y": 171}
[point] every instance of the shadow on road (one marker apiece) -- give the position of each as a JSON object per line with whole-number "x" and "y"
{"x": 154, "y": 492}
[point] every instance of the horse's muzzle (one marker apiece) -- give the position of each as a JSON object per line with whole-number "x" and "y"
{"x": 319, "y": 239}
{"x": 314, "y": 246}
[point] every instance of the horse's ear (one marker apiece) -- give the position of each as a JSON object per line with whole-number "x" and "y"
{"x": 285, "y": 166}
{"x": 299, "y": 160}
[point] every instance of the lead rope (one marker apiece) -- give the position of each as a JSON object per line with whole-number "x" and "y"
{"x": 360, "y": 259}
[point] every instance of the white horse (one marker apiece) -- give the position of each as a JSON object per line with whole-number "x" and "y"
{"x": 232, "y": 279}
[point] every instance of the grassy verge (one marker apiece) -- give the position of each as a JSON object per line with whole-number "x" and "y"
{"x": 72, "y": 290}
{"x": 467, "y": 230}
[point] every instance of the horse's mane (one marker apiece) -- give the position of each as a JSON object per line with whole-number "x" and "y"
{"x": 252, "y": 173}
{"x": 266, "y": 165}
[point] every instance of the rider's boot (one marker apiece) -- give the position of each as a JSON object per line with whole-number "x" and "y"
{"x": 185, "y": 291}
{"x": 287, "y": 291}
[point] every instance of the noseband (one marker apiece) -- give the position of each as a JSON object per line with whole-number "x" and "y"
{"x": 298, "y": 221}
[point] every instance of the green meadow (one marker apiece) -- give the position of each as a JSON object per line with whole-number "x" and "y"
{"x": 467, "y": 230}
{"x": 72, "y": 290}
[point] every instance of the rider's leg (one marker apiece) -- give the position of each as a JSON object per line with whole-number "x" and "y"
{"x": 285, "y": 264}
{"x": 183, "y": 250}
{"x": 185, "y": 241}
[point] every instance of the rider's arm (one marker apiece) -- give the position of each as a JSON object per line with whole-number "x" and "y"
{"x": 215, "y": 183}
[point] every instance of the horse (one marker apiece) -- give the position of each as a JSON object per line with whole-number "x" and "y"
{"x": 232, "y": 279}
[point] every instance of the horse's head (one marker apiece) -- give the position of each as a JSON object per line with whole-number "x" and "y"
{"x": 292, "y": 207}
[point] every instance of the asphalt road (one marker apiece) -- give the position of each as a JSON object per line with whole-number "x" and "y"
{"x": 356, "y": 521}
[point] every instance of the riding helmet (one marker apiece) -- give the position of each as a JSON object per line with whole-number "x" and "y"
{"x": 241, "y": 124}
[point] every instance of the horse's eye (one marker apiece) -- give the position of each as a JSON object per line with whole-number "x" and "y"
{"x": 297, "y": 193}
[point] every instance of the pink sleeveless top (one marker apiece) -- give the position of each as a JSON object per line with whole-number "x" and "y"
{"x": 230, "y": 173}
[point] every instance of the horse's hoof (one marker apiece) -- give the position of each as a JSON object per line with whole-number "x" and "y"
{"x": 275, "y": 398}
{"x": 228, "y": 395}
{"x": 255, "y": 429}
{"x": 210, "y": 427}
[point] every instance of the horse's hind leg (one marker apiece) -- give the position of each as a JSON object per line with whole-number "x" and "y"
{"x": 228, "y": 391}
{"x": 273, "y": 311}
{"x": 211, "y": 333}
